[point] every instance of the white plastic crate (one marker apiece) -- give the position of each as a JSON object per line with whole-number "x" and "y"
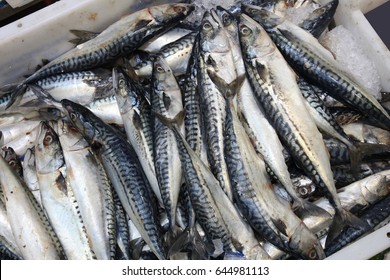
{"x": 45, "y": 34}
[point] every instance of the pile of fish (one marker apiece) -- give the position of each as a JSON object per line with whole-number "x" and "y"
{"x": 217, "y": 145}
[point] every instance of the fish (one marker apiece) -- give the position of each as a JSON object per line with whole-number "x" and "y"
{"x": 136, "y": 113}
{"x": 255, "y": 197}
{"x": 214, "y": 51}
{"x": 122, "y": 230}
{"x": 373, "y": 214}
{"x": 40, "y": 241}
{"x": 176, "y": 54}
{"x": 277, "y": 91}
{"x": 166, "y": 100}
{"x": 124, "y": 171}
{"x": 57, "y": 196}
{"x": 92, "y": 190}
{"x": 311, "y": 60}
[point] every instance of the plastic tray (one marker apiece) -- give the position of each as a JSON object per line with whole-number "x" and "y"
{"x": 44, "y": 35}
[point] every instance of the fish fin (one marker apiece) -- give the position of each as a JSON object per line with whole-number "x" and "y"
{"x": 355, "y": 156}
{"x": 341, "y": 220}
{"x": 280, "y": 225}
{"x": 44, "y": 97}
{"x": 171, "y": 123}
{"x": 262, "y": 70}
{"x": 308, "y": 209}
{"x": 177, "y": 242}
{"x": 136, "y": 246}
{"x": 142, "y": 23}
{"x": 16, "y": 96}
{"x": 82, "y": 36}
{"x": 228, "y": 90}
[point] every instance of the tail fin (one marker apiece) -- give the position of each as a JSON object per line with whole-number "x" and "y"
{"x": 190, "y": 237}
{"x": 342, "y": 219}
{"x": 304, "y": 209}
{"x": 82, "y": 36}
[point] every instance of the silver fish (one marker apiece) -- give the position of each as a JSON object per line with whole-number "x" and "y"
{"x": 124, "y": 171}
{"x": 91, "y": 188}
{"x": 317, "y": 65}
{"x": 256, "y": 199}
{"x": 277, "y": 91}
{"x": 39, "y": 241}
{"x": 137, "y": 120}
{"x": 57, "y": 196}
{"x": 166, "y": 101}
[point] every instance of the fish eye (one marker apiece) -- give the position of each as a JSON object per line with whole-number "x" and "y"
{"x": 179, "y": 9}
{"x": 48, "y": 139}
{"x": 227, "y": 20}
{"x": 207, "y": 26}
{"x": 159, "y": 68}
{"x": 312, "y": 254}
{"x": 245, "y": 31}
{"x": 73, "y": 116}
{"x": 12, "y": 163}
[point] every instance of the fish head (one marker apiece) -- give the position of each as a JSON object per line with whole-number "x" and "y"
{"x": 304, "y": 243}
{"x": 212, "y": 36}
{"x": 166, "y": 91}
{"x": 70, "y": 137}
{"x": 82, "y": 119}
{"x": 319, "y": 19}
{"x": 267, "y": 19}
{"x": 228, "y": 20}
{"x": 253, "y": 38}
{"x": 11, "y": 157}
{"x": 125, "y": 94}
{"x": 49, "y": 156}
{"x": 170, "y": 12}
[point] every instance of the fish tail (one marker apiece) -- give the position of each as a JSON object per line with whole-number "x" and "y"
{"x": 16, "y": 92}
{"x": 189, "y": 237}
{"x": 341, "y": 220}
{"x": 304, "y": 209}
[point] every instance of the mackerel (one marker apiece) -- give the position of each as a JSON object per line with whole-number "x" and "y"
{"x": 136, "y": 111}
{"x": 255, "y": 197}
{"x": 91, "y": 188}
{"x": 36, "y": 238}
{"x": 166, "y": 101}
{"x": 214, "y": 52}
{"x": 176, "y": 55}
{"x": 193, "y": 122}
{"x": 277, "y": 91}
{"x": 124, "y": 171}
{"x": 57, "y": 196}
{"x": 317, "y": 65}
{"x": 119, "y": 39}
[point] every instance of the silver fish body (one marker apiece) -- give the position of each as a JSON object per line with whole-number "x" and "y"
{"x": 166, "y": 101}
{"x": 57, "y": 196}
{"x": 117, "y": 40}
{"x": 256, "y": 199}
{"x": 124, "y": 171}
{"x": 39, "y": 241}
{"x": 317, "y": 65}
{"x": 137, "y": 120}
{"x": 91, "y": 188}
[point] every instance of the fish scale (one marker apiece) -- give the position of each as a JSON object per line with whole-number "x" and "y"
{"x": 124, "y": 171}
{"x": 122, "y": 230}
